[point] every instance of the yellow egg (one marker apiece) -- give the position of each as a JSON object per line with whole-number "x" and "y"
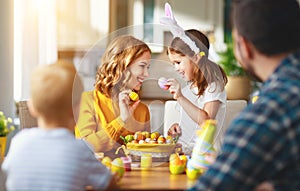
{"x": 161, "y": 139}
{"x": 118, "y": 162}
{"x": 146, "y": 134}
{"x": 134, "y": 96}
{"x": 129, "y": 138}
{"x": 168, "y": 137}
{"x": 176, "y": 165}
{"x": 193, "y": 174}
{"x": 154, "y": 135}
{"x": 176, "y": 169}
{"x": 117, "y": 166}
{"x": 106, "y": 161}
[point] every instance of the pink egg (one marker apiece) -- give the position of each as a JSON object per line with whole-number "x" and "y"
{"x": 162, "y": 83}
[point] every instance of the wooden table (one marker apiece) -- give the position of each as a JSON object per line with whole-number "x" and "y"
{"x": 156, "y": 178}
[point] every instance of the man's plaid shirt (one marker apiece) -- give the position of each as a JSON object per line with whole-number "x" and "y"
{"x": 263, "y": 142}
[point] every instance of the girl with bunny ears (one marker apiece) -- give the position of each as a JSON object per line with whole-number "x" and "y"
{"x": 204, "y": 97}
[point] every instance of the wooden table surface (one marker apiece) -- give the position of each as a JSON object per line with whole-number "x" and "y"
{"x": 156, "y": 178}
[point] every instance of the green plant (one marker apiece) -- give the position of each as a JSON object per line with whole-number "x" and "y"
{"x": 229, "y": 63}
{"x": 5, "y": 125}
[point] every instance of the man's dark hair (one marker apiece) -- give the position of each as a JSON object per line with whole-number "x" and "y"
{"x": 272, "y": 26}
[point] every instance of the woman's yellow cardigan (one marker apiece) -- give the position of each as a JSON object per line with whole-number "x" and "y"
{"x": 100, "y": 125}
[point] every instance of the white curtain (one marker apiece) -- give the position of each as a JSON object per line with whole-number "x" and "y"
{"x": 34, "y": 40}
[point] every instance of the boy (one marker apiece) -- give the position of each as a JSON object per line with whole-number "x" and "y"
{"x": 49, "y": 157}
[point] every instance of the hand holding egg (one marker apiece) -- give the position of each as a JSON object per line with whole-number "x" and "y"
{"x": 128, "y": 101}
{"x": 172, "y": 85}
{"x": 133, "y": 96}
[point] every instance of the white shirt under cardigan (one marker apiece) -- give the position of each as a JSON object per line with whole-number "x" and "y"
{"x": 40, "y": 159}
{"x": 189, "y": 127}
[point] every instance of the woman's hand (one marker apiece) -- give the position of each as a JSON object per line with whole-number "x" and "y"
{"x": 175, "y": 88}
{"x": 125, "y": 105}
{"x": 174, "y": 130}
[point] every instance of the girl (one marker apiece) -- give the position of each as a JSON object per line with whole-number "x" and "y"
{"x": 204, "y": 97}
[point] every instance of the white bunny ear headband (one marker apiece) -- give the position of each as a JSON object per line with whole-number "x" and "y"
{"x": 177, "y": 31}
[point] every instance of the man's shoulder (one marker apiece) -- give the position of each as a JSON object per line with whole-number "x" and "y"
{"x": 295, "y": 56}
{"x": 290, "y": 66}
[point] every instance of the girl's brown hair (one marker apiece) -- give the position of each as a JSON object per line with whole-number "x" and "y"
{"x": 205, "y": 72}
{"x": 120, "y": 53}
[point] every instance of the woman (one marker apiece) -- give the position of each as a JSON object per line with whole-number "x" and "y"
{"x": 106, "y": 113}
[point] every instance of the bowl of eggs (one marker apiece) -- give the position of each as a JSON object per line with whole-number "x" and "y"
{"x": 154, "y": 143}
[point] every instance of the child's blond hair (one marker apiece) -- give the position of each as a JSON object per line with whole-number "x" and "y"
{"x": 55, "y": 89}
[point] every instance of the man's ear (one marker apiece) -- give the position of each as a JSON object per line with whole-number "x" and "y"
{"x": 242, "y": 47}
{"x": 31, "y": 108}
{"x": 246, "y": 48}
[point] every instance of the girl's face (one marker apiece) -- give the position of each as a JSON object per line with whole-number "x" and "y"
{"x": 183, "y": 65}
{"x": 139, "y": 70}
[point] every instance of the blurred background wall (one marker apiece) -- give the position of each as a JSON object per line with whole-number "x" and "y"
{"x": 35, "y": 32}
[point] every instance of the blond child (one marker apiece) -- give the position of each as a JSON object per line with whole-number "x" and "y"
{"x": 49, "y": 157}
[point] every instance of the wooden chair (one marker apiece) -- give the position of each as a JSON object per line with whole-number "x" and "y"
{"x": 233, "y": 108}
{"x": 171, "y": 115}
{"x": 26, "y": 119}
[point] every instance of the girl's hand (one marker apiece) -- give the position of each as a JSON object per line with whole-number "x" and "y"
{"x": 174, "y": 130}
{"x": 210, "y": 157}
{"x": 175, "y": 88}
{"x": 125, "y": 105}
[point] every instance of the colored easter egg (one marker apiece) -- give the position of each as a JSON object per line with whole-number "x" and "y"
{"x": 134, "y": 96}
{"x": 162, "y": 83}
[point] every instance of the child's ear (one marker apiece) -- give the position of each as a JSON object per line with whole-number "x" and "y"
{"x": 196, "y": 58}
{"x": 31, "y": 108}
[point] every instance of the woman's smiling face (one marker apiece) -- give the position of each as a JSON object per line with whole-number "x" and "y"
{"x": 139, "y": 70}
{"x": 182, "y": 64}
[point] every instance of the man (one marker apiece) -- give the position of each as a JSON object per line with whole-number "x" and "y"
{"x": 261, "y": 149}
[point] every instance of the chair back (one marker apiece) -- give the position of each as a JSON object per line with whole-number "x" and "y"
{"x": 172, "y": 113}
{"x": 156, "y": 109}
{"x": 26, "y": 119}
{"x": 233, "y": 108}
